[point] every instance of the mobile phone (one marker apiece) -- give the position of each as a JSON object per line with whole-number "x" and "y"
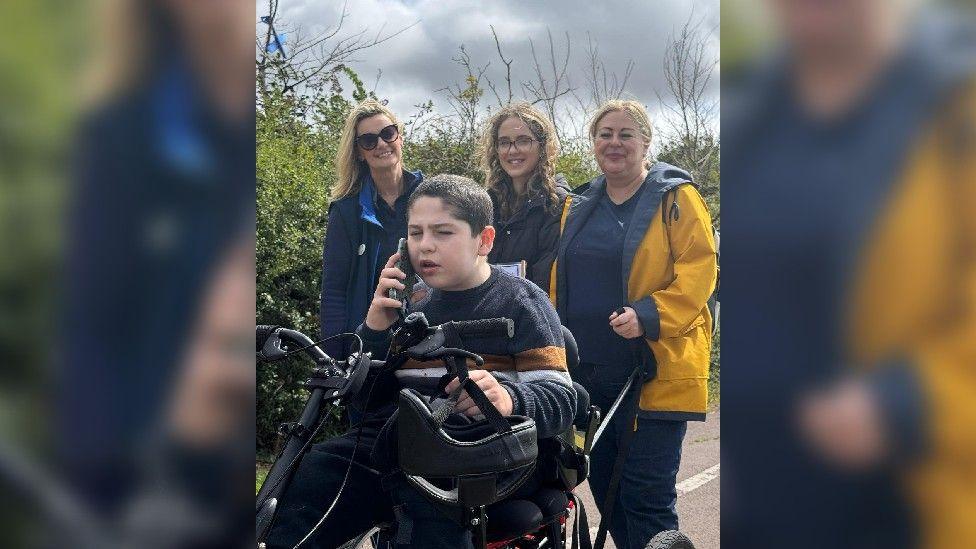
{"x": 404, "y": 265}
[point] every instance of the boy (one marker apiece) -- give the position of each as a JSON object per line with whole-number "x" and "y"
{"x": 449, "y": 238}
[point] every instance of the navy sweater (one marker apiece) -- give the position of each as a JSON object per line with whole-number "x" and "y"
{"x": 531, "y": 365}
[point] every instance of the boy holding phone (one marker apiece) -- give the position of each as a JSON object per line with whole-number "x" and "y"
{"x": 449, "y": 238}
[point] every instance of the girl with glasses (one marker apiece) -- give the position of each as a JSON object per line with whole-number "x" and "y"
{"x": 367, "y": 217}
{"x": 518, "y": 156}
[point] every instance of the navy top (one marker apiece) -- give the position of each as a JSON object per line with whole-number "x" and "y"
{"x": 394, "y": 221}
{"x": 594, "y": 265}
{"x": 162, "y": 188}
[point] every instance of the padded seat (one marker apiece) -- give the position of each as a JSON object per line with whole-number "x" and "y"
{"x": 551, "y": 502}
{"x": 516, "y": 517}
{"x": 511, "y": 518}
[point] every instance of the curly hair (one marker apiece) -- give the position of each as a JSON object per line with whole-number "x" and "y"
{"x": 498, "y": 183}
{"x": 349, "y": 170}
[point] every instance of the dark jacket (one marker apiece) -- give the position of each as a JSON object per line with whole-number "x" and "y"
{"x": 349, "y": 261}
{"x": 531, "y": 235}
{"x": 160, "y": 191}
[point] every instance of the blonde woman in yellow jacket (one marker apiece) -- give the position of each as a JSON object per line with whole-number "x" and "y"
{"x": 634, "y": 270}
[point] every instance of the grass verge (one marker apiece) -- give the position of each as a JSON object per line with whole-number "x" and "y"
{"x": 261, "y": 473}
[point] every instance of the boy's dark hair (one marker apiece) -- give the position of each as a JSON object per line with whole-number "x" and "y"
{"x": 467, "y": 200}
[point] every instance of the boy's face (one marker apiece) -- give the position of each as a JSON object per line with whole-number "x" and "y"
{"x": 442, "y": 249}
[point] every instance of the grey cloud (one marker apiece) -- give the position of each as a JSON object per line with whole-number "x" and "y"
{"x": 417, "y": 63}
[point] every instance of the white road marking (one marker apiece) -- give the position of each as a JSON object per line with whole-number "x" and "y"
{"x": 686, "y": 486}
{"x": 692, "y": 483}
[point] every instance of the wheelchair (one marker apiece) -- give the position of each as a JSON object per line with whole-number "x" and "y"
{"x": 537, "y": 521}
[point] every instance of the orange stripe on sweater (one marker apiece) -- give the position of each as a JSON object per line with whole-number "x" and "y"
{"x": 542, "y": 358}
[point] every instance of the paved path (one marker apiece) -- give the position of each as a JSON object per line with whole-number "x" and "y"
{"x": 698, "y": 486}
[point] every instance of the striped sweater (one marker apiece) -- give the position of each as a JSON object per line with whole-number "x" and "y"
{"x": 531, "y": 365}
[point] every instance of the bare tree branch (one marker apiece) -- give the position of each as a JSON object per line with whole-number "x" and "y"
{"x": 315, "y": 61}
{"x": 690, "y": 112}
{"x": 342, "y": 52}
{"x": 465, "y": 99}
{"x": 552, "y": 84}
{"x": 508, "y": 71}
{"x": 604, "y": 86}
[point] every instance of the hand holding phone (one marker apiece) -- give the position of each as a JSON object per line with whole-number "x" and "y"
{"x": 395, "y": 285}
{"x": 403, "y": 263}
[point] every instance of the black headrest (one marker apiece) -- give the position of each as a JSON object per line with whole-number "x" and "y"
{"x": 572, "y": 351}
{"x": 582, "y": 405}
{"x": 446, "y": 450}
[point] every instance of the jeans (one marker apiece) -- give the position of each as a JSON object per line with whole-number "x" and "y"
{"x": 420, "y": 524}
{"x": 646, "y": 495}
{"x": 362, "y": 504}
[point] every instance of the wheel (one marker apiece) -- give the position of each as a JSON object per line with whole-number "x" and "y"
{"x": 670, "y": 539}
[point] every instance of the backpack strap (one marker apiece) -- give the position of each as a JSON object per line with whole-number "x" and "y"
{"x": 562, "y": 218}
{"x": 670, "y": 212}
{"x": 552, "y": 269}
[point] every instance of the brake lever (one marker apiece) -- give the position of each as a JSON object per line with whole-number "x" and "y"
{"x": 411, "y": 331}
{"x": 416, "y": 339}
{"x": 429, "y": 344}
{"x": 272, "y": 350}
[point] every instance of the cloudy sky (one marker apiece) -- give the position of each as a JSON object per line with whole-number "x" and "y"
{"x": 418, "y": 62}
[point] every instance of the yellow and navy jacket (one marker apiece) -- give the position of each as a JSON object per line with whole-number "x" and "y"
{"x": 911, "y": 322}
{"x": 851, "y": 251}
{"x": 669, "y": 272}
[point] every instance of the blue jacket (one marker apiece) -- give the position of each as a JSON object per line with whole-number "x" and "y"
{"x": 349, "y": 261}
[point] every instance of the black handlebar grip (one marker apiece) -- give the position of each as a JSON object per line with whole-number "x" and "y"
{"x": 489, "y": 327}
{"x": 261, "y": 334}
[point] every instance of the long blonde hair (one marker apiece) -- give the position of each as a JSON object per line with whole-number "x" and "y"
{"x": 498, "y": 182}
{"x": 635, "y": 110}
{"x": 349, "y": 169}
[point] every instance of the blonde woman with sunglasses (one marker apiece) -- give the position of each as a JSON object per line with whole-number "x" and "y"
{"x": 367, "y": 217}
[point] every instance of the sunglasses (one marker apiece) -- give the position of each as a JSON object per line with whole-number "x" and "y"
{"x": 368, "y": 141}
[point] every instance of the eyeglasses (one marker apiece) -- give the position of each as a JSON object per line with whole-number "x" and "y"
{"x": 521, "y": 144}
{"x": 368, "y": 141}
